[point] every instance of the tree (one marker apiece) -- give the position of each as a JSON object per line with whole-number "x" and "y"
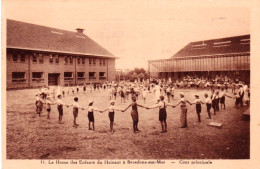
{"x": 137, "y": 73}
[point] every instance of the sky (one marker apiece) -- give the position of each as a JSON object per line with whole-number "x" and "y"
{"x": 136, "y": 31}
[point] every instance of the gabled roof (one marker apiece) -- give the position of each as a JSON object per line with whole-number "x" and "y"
{"x": 236, "y": 44}
{"x": 21, "y": 35}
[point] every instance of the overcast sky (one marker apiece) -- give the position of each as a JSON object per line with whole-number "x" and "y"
{"x": 138, "y": 30}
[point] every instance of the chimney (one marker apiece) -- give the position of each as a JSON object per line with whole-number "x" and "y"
{"x": 80, "y": 30}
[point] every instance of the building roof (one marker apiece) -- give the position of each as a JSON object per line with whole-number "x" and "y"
{"x": 236, "y": 44}
{"x": 21, "y": 35}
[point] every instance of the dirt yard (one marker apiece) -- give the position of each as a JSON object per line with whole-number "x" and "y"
{"x": 32, "y": 137}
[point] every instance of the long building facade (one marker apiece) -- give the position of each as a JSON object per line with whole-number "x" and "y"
{"x": 210, "y": 58}
{"x": 43, "y": 56}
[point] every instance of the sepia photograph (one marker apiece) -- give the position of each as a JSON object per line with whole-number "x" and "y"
{"x": 127, "y": 80}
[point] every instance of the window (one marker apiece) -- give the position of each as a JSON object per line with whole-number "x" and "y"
{"x": 18, "y": 77}
{"x": 83, "y": 60}
{"x": 71, "y": 60}
{"x": 37, "y": 76}
{"x": 34, "y": 58}
{"x": 102, "y": 76}
{"x": 65, "y": 59}
{"x": 100, "y": 62}
{"x": 90, "y": 61}
{"x": 78, "y": 60}
{"x": 81, "y": 75}
{"x": 57, "y": 59}
{"x": 51, "y": 59}
{"x": 68, "y": 76}
{"x": 22, "y": 57}
{"x": 15, "y": 57}
{"x": 104, "y": 62}
{"x": 40, "y": 58}
{"x": 92, "y": 75}
{"x": 94, "y": 61}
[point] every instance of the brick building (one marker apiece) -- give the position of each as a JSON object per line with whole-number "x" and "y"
{"x": 226, "y": 56}
{"x": 40, "y": 56}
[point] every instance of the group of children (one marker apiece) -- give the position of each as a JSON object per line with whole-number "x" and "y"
{"x": 213, "y": 101}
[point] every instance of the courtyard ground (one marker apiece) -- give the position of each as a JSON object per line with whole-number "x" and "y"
{"x": 32, "y": 137}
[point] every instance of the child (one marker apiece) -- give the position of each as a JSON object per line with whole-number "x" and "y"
{"x": 168, "y": 93}
{"x": 213, "y": 95}
{"x": 115, "y": 93}
{"x": 77, "y": 89}
{"x": 172, "y": 92}
{"x": 222, "y": 95}
{"x": 37, "y": 98}
{"x": 76, "y": 107}
{"x": 144, "y": 93}
{"x": 91, "y": 88}
{"x": 60, "y": 104}
{"x": 198, "y": 103}
{"x": 217, "y": 100}
{"x": 111, "y": 109}
{"x": 134, "y": 114}
{"x": 208, "y": 102}
{"x": 84, "y": 88}
{"x": 39, "y": 104}
{"x": 110, "y": 93}
{"x": 162, "y": 112}
{"x": 184, "y": 110}
{"x": 91, "y": 119}
{"x": 237, "y": 97}
{"x": 48, "y": 106}
{"x": 63, "y": 91}
{"x": 72, "y": 89}
{"x": 122, "y": 94}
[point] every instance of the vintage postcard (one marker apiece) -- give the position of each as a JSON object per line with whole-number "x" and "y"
{"x": 130, "y": 84}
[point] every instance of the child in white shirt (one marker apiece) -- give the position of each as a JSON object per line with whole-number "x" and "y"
{"x": 111, "y": 113}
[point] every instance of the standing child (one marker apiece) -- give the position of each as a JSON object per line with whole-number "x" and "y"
{"x": 198, "y": 103}
{"x": 237, "y": 102}
{"x": 115, "y": 93}
{"x": 162, "y": 112}
{"x": 122, "y": 94}
{"x": 222, "y": 95}
{"x": 77, "y": 89}
{"x": 72, "y": 90}
{"x": 213, "y": 95}
{"x": 76, "y": 108}
{"x": 184, "y": 110}
{"x": 37, "y": 98}
{"x": 110, "y": 93}
{"x": 60, "y": 104}
{"x": 39, "y": 104}
{"x": 111, "y": 113}
{"x": 48, "y": 103}
{"x": 91, "y": 119}
{"x": 84, "y": 88}
{"x": 134, "y": 114}
{"x": 144, "y": 94}
{"x": 172, "y": 92}
{"x": 217, "y": 99}
{"x": 168, "y": 93}
{"x": 208, "y": 102}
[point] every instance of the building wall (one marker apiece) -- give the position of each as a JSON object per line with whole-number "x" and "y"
{"x": 231, "y": 62}
{"x": 111, "y": 70}
{"x": 58, "y": 68}
{"x": 16, "y": 67}
{"x": 232, "y": 65}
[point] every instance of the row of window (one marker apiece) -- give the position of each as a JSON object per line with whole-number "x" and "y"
{"x": 220, "y": 63}
{"x": 38, "y": 76}
{"x": 38, "y": 58}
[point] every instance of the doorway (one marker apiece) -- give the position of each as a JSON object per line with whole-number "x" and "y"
{"x": 53, "y": 79}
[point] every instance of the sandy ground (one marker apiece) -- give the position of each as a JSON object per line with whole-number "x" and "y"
{"x": 32, "y": 137}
